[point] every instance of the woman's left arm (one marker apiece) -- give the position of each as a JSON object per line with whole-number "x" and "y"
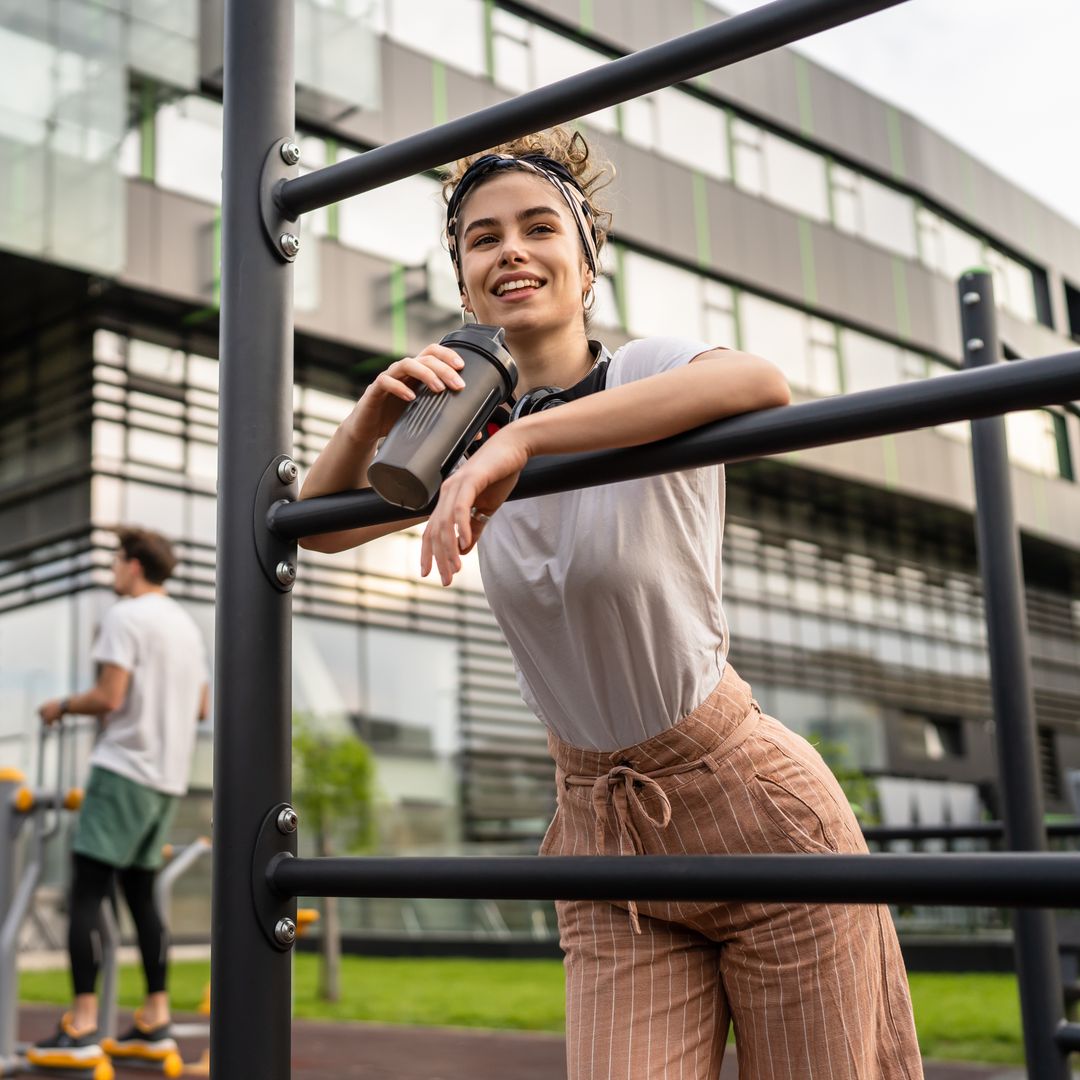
{"x": 714, "y": 385}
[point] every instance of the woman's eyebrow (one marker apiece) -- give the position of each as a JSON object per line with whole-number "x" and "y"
{"x": 522, "y": 215}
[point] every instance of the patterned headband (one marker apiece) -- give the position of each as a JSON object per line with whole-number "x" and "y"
{"x": 557, "y": 174}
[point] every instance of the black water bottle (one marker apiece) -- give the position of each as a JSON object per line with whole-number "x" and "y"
{"x": 436, "y": 428}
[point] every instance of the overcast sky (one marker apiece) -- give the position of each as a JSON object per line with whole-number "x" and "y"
{"x": 1001, "y": 78}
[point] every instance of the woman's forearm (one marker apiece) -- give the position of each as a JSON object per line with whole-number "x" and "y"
{"x": 343, "y": 466}
{"x": 713, "y": 386}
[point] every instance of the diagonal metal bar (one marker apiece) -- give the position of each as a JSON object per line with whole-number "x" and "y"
{"x": 998, "y": 880}
{"x": 962, "y": 395}
{"x": 737, "y": 38}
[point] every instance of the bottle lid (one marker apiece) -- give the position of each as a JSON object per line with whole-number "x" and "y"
{"x": 491, "y": 342}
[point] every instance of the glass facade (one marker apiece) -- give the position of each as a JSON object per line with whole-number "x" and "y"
{"x": 855, "y": 627}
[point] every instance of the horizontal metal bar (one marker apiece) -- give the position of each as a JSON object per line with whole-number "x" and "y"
{"x": 981, "y": 830}
{"x": 1067, "y": 1037}
{"x": 999, "y": 880}
{"x": 961, "y": 395}
{"x": 736, "y": 38}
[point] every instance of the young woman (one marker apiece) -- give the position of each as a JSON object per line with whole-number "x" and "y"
{"x": 610, "y": 600}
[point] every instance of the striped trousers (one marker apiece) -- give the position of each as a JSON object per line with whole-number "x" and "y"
{"x": 813, "y": 991}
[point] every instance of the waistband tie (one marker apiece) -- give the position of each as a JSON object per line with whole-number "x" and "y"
{"x": 616, "y": 797}
{"x": 616, "y": 801}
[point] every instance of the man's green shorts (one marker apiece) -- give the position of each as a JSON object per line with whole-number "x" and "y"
{"x": 123, "y": 823}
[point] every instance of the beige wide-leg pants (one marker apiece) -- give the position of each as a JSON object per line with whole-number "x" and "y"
{"x": 815, "y": 992}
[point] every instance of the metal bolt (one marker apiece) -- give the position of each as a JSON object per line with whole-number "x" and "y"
{"x": 290, "y": 152}
{"x": 971, "y": 298}
{"x": 286, "y": 572}
{"x": 287, "y": 471}
{"x": 287, "y": 820}
{"x": 285, "y": 931}
{"x": 290, "y": 243}
{"x": 974, "y": 344}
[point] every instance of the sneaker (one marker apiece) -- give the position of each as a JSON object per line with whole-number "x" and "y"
{"x": 67, "y": 1049}
{"x": 142, "y": 1041}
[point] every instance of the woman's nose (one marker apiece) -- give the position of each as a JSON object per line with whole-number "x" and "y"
{"x": 512, "y": 251}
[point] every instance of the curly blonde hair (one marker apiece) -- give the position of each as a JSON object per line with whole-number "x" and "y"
{"x": 569, "y": 148}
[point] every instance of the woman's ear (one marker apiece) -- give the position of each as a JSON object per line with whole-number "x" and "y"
{"x": 465, "y": 305}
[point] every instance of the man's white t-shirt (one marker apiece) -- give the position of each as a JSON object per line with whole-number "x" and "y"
{"x": 151, "y": 737}
{"x": 610, "y": 597}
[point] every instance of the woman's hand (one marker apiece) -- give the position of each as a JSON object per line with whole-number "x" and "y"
{"x": 481, "y": 484}
{"x": 385, "y": 399}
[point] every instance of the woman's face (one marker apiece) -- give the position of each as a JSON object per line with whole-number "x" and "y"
{"x": 521, "y": 257}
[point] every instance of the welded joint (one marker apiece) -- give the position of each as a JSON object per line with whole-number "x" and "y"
{"x": 281, "y": 230}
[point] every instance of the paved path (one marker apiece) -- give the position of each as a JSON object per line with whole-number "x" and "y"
{"x": 325, "y": 1051}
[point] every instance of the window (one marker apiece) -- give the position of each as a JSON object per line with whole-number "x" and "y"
{"x": 931, "y": 738}
{"x": 692, "y": 132}
{"x": 555, "y": 57}
{"x": 189, "y": 148}
{"x": 795, "y": 177}
{"x": 1072, "y": 310}
{"x": 1014, "y": 285}
{"x": 451, "y": 31}
{"x": 946, "y": 248}
{"x": 1033, "y": 441}
{"x": 798, "y": 344}
{"x": 869, "y": 362}
{"x": 402, "y": 221}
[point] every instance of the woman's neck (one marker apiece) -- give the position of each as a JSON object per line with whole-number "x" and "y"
{"x": 547, "y": 359}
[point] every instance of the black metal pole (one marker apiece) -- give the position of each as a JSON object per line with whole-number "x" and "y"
{"x": 1003, "y": 880}
{"x": 251, "y": 980}
{"x": 959, "y": 396}
{"x": 749, "y": 34}
{"x": 1037, "y": 962}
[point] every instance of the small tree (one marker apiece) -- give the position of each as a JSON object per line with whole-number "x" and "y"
{"x": 860, "y": 790}
{"x": 334, "y": 789}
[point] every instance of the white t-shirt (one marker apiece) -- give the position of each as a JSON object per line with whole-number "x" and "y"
{"x": 610, "y": 597}
{"x": 151, "y": 737}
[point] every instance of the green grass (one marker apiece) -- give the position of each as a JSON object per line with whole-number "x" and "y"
{"x": 962, "y": 1017}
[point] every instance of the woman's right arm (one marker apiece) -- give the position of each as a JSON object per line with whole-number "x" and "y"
{"x": 344, "y": 461}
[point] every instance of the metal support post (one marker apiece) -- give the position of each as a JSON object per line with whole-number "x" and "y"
{"x": 251, "y": 977}
{"x": 1037, "y": 962}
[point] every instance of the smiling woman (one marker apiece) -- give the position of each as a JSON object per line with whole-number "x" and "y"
{"x": 610, "y": 600}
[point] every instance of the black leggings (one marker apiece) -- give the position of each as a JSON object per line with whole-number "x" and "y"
{"x": 93, "y": 882}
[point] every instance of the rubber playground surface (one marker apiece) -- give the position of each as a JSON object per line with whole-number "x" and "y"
{"x": 337, "y": 1051}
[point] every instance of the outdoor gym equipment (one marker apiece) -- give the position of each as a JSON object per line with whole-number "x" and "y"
{"x": 259, "y": 521}
{"x": 38, "y": 809}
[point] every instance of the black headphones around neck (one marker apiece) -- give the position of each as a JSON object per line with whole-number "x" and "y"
{"x": 547, "y": 397}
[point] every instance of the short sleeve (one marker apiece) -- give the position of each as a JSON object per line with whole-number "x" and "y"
{"x": 116, "y": 642}
{"x": 650, "y": 356}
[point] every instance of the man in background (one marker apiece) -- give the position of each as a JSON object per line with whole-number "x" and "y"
{"x": 151, "y": 689}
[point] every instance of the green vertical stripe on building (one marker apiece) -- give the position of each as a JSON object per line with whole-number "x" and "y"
{"x": 1042, "y": 510}
{"x": 216, "y": 256}
{"x": 399, "y": 316}
{"x": 806, "y": 257}
{"x": 620, "y": 285}
{"x": 896, "y": 142}
{"x": 587, "y": 18}
{"x": 891, "y": 460}
{"x": 802, "y": 91}
{"x": 900, "y": 296}
{"x": 333, "y": 221}
{"x": 439, "y": 112}
{"x": 701, "y": 220}
{"x": 841, "y": 366}
{"x": 697, "y": 13}
{"x": 489, "y": 38}
{"x": 1061, "y": 437}
{"x": 736, "y": 311}
{"x": 147, "y": 131}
